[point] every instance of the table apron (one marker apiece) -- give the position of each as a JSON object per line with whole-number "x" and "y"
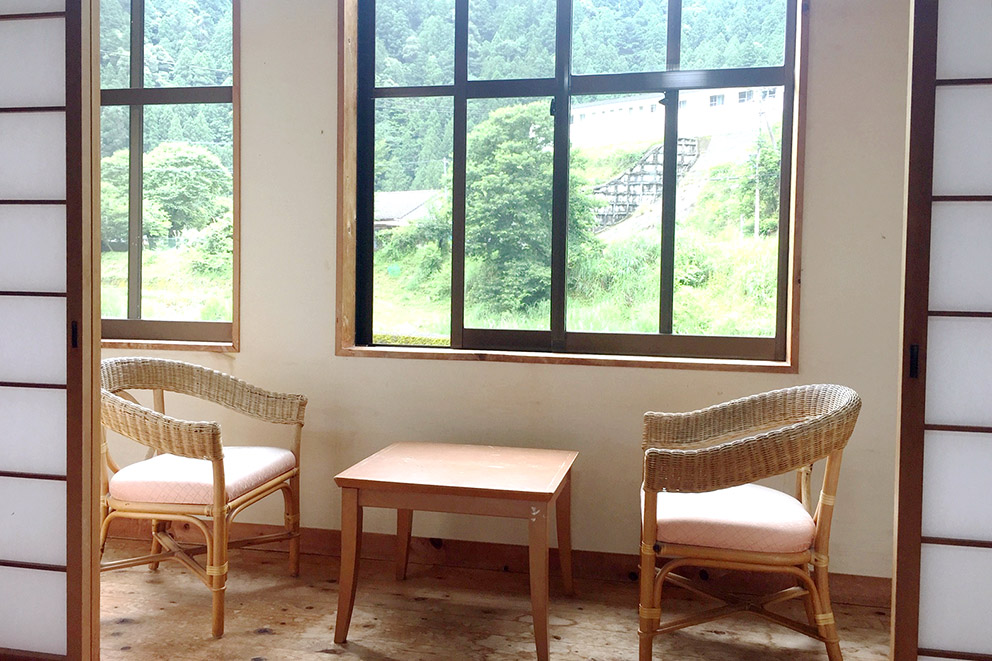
{"x": 432, "y": 502}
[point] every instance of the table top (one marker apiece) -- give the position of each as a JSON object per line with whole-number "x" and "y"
{"x": 470, "y": 470}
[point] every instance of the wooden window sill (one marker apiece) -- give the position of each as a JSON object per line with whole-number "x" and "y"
{"x": 163, "y": 345}
{"x": 547, "y": 358}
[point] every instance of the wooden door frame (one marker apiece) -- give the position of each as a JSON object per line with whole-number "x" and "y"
{"x": 83, "y": 331}
{"x": 909, "y": 469}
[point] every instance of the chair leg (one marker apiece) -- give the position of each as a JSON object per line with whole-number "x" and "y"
{"x": 217, "y": 570}
{"x": 808, "y": 602}
{"x": 157, "y": 526}
{"x": 647, "y": 624}
{"x": 825, "y": 615}
{"x": 291, "y": 497}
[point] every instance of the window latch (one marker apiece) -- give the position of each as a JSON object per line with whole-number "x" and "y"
{"x": 914, "y": 361}
{"x": 553, "y": 107}
{"x": 664, "y": 99}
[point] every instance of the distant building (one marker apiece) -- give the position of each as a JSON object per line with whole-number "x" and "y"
{"x": 641, "y": 118}
{"x": 399, "y": 208}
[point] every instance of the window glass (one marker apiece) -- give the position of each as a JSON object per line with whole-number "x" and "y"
{"x": 511, "y": 39}
{"x": 115, "y": 44}
{"x": 508, "y": 176}
{"x": 733, "y": 34}
{"x": 614, "y": 241}
{"x": 187, "y": 214}
{"x": 726, "y": 236}
{"x": 619, "y": 36}
{"x": 188, "y": 43}
{"x": 412, "y": 211}
{"x": 114, "y": 207}
{"x": 414, "y": 42}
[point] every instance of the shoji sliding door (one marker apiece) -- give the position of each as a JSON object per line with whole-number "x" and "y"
{"x": 46, "y": 332}
{"x": 943, "y": 581}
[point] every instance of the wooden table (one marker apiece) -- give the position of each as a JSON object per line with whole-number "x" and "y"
{"x": 520, "y": 483}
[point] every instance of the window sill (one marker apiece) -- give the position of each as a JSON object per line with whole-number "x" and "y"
{"x": 164, "y": 345}
{"x": 545, "y": 358}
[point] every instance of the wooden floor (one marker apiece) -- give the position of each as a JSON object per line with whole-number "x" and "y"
{"x": 437, "y": 613}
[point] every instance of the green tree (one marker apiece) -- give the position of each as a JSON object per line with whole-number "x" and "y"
{"x": 508, "y": 207}
{"x": 189, "y": 182}
{"x": 114, "y": 206}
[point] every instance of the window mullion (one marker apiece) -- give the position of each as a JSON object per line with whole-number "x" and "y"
{"x": 560, "y": 175}
{"x": 135, "y": 164}
{"x": 365, "y": 176}
{"x": 459, "y": 156}
{"x": 134, "y": 211}
{"x": 669, "y": 172}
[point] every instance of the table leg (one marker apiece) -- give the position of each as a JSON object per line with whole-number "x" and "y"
{"x": 538, "y": 534}
{"x": 351, "y": 550}
{"x": 563, "y": 515}
{"x": 404, "y": 526}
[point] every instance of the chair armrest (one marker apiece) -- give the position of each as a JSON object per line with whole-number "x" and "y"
{"x": 197, "y": 440}
{"x": 747, "y": 439}
{"x": 189, "y": 379}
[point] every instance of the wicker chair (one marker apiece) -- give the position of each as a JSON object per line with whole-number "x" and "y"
{"x": 736, "y": 525}
{"x": 192, "y": 478}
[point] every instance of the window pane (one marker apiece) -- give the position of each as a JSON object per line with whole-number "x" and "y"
{"x": 726, "y": 237}
{"x": 508, "y": 214}
{"x": 412, "y": 258}
{"x": 115, "y": 44}
{"x": 187, "y": 213}
{"x": 113, "y": 211}
{"x": 188, "y": 43}
{"x": 619, "y": 36}
{"x": 511, "y": 39}
{"x": 414, "y": 42}
{"x": 614, "y": 241}
{"x": 729, "y": 34}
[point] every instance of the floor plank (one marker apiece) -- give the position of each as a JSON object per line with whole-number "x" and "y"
{"x": 437, "y": 613}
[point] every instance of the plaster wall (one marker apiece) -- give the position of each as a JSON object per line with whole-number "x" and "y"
{"x": 850, "y": 307}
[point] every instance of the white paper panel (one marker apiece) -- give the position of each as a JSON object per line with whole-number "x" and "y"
{"x": 38, "y": 48}
{"x": 34, "y": 620}
{"x": 959, "y": 371}
{"x": 30, "y": 6}
{"x": 956, "y": 499}
{"x": 962, "y": 149}
{"x": 32, "y": 249}
{"x": 33, "y": 521}
{"x": 32, "y": 339}
{"x": 956, "y": 598}
{"x": 960, "y": 268}
{"x": 964, "y": 49}
{"x": 33, "y": 433}
{"x": 32, "y": 156}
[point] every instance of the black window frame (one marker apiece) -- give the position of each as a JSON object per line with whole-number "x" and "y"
{"x": 136, "y": 97}
{"x": 562, "y": 88}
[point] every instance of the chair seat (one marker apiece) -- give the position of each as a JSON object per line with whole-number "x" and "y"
{"x": 746, "y": 518}
{"x": 171, "y": 479}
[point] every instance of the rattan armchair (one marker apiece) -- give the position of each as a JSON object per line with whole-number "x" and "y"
{"x": 700, "y": 510}
{"x": 192, "y": 477}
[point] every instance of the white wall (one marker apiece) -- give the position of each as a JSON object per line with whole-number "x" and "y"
{"x": 850, "y": 310}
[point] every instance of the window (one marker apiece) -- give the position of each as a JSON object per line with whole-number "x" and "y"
{"x": 485, "y": 220}
{"x": 768, "y": 93}
{"x": 168, "y": 158}
{"x": 745, "y": 96}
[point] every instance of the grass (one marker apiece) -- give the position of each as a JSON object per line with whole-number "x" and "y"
{"x": 171, "y": 289}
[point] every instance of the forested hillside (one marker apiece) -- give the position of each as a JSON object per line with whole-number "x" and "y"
{"x": 187, "y": 160}
{"x": 727, "y": 223}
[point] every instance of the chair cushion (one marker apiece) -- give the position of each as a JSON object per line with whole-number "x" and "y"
{"x": 171, "y": 479}
{"x": 746, "y": 518}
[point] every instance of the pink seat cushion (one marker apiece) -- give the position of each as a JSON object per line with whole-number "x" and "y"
{"x": 171, "y": 479}
{"x": 746, "y": 518}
